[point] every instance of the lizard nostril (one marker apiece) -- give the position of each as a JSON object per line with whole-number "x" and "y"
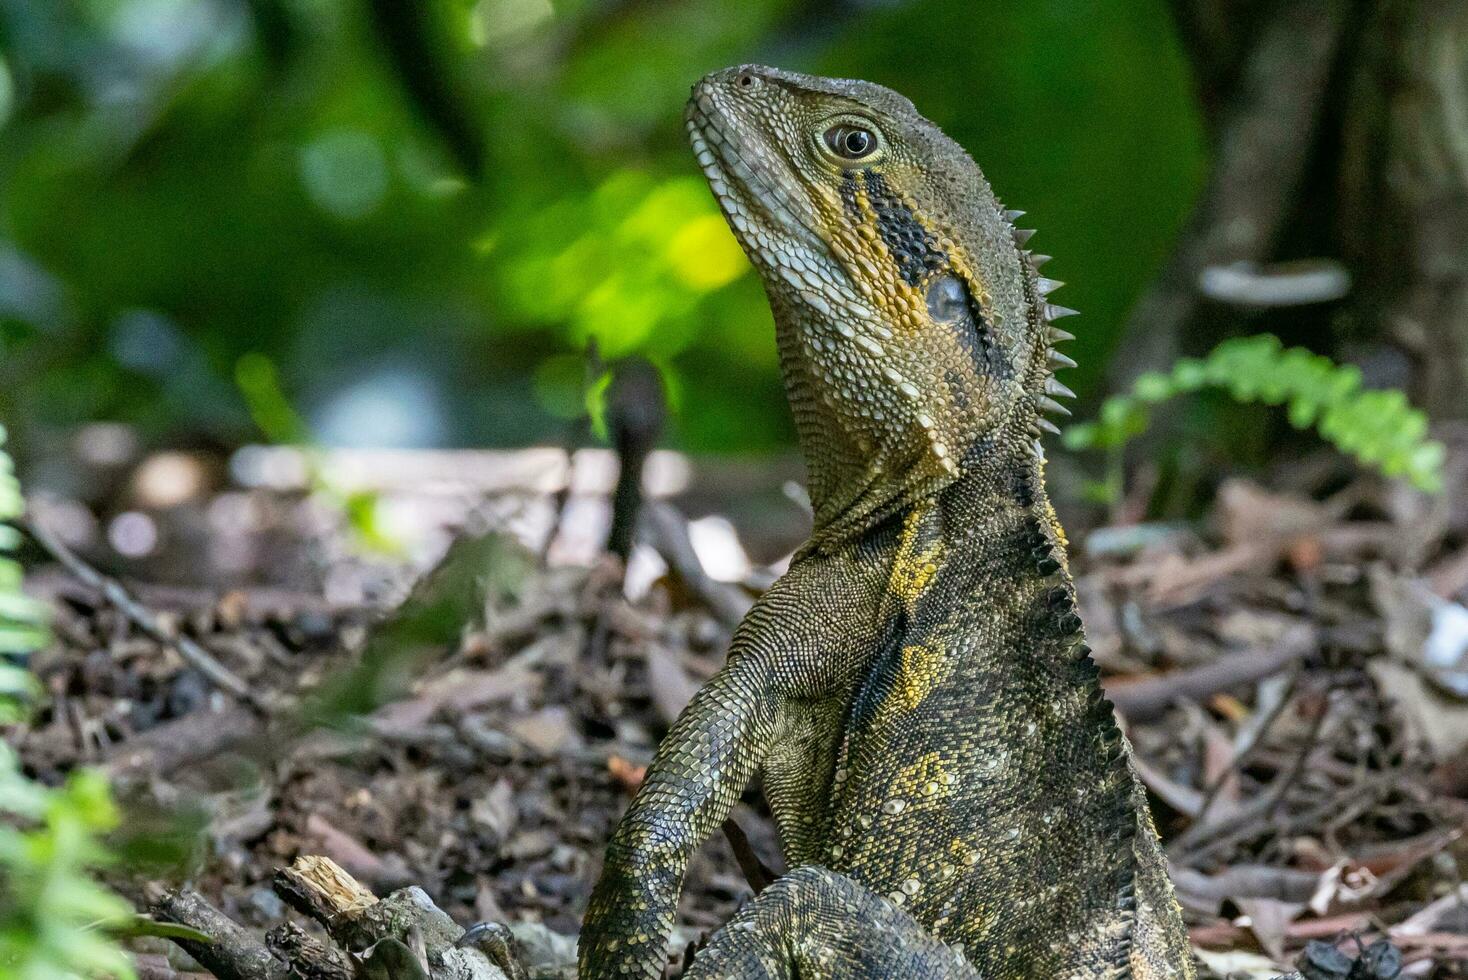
{"x": 748, "y": 81}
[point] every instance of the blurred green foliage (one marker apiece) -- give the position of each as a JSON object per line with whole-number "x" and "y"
{"x": 49, "y": 837}
{"x": 423, "y": 252}
{"x": 23, "y": 620}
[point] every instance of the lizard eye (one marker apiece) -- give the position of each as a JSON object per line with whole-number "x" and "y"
{"x": 850, "y": 142}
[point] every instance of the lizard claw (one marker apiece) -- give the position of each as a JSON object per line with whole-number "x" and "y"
{"x": 498, "y": 944}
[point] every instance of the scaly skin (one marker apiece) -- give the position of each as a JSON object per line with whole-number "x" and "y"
{"x": 946, "y": 777}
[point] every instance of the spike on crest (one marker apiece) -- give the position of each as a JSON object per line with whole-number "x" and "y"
{"x": 1048, "y": 404}
{"x": 1054, "y": 387}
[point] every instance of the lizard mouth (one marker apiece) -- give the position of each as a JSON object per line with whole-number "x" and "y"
{"x": 749, "y": 190}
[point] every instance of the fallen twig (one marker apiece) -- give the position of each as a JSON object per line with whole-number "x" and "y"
{"x": 235, "y": 954}
{"x": 755, "y": 871}
{"x": 1147, "y": 700}
{"x": 668, "y": 531}
{"x": 1245, "y": 881}
{"x": 142, "y": 617}
{"x": 1246, "y": 754}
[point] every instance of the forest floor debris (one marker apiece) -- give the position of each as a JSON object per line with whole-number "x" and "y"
{"x": 1289, "y": 671}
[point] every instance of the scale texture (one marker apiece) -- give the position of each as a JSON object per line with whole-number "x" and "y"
{"x": 948, "y": 781}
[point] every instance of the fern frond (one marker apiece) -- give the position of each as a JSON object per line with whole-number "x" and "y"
{"x": 1377, "y": 427}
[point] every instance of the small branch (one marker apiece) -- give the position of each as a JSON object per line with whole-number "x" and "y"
{"x": 1245, "y": 881}
{"x": 405, "y": 923}
{"x": 1282, "y": 783}
{"x": 309, "y": 957}
{"x": 755, "y": 871}
{"x": 142, "y": 617}
{"x": 1147, "y": 700}
{"x": 668, "y": 530}
{"x": 235, "y": 954}
{"x": 319, "y": 888}
{"x": 1246, "y": 754}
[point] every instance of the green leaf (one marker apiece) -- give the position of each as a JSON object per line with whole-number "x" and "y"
{"x": 596, "y": 404}
{"x": 134, "y": 926}
{"x": 49, "y": 839}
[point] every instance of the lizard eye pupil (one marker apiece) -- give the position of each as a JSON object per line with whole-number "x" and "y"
{"x": 850, "y": 142}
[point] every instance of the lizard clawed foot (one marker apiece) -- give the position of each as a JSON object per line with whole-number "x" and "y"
{"x": 498, "y": 943}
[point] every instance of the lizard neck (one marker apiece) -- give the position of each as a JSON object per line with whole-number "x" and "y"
{"x": 857, "y": 485}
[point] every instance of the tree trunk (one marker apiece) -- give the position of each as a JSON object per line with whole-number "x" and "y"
{"x": 1404, "y": 200}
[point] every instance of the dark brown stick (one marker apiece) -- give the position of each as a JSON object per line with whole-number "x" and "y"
{"x": 1149, "y": 699}
{"x": 235, "y": 954}
{"x": 756, "y": 873}
{"x": 1247, "y": 752}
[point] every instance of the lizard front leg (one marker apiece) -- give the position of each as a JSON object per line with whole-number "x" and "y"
{"x": 701, "y": 768}
{"x": 797, "y": 644}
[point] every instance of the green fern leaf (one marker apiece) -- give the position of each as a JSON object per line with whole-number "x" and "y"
{"x": 1379, "y": 428}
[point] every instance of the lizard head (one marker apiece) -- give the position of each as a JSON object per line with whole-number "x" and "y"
{"x": 913, "y": 332}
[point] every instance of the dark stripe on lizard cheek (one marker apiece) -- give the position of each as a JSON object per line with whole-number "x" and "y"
{"x": 912, "y": 247}
{"x": 849, "y": 203}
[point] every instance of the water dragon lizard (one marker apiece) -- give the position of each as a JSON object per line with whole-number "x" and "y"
{"x": 948, "y": 782}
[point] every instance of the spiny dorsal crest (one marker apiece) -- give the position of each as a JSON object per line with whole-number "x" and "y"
{"x": 1052, "y": 389}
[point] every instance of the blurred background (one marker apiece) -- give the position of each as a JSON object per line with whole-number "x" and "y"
{"x": 406, "y": 222}
{"x": 359, "y": 227}
{"x": 420, "y": 214}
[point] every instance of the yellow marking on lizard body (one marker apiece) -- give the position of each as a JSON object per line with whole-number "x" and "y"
{"x": 922, "y": 668}
{"x": 1053, "y": 519}
{"x": 915, "y": 565}
{"x": 926, "y": 778}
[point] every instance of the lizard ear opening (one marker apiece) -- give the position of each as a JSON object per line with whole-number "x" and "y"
{"x": 947, "y": 299}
